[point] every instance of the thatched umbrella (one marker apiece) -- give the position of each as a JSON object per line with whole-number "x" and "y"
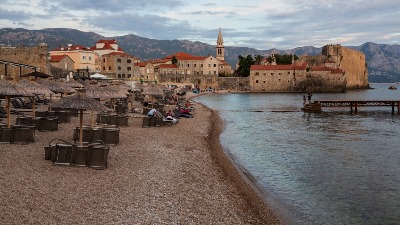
{"x": 81, "y": 102}
{"x": 153, "y": 91}
{"x": 34, "y": 88}
{"x": 9, "y": 90}
{"x": 56, "y": 86}
{"x": 74, "y": 84}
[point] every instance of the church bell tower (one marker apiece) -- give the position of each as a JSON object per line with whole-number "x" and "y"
{"x": 220, "y": 47}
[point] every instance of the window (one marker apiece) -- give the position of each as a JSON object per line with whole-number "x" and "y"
{"x": 215, "y": 65}
{"x": 119, "y": 75}
{"x": 272, "y": 74}
{"x": 83, "y": 57}
{"x": 256, "y": 81}
{"x": 129, "y": 76}
{"x": 104, "y": 68}
{"x": 209, "y": 65}
{"x": 109, "y": 68}
{"x": 123, "y": 75}
{"x": 257, "y": 74}
{"x": 215, "y": 72}
{"x": 201, "y": 65}
{"x": 188, "y": 65}
{"x": 119, "y": 60}
{"x": 279, "y": 80}
{"x": 104, "y": 60}
{"x": 288, "y": 72}
{"x": 90, "y": 57}
{"x": 129, "y": 61}
{"x": 194, "y": 65}
{"x": 119, "y": 68}
{"x": 129, "y": 68}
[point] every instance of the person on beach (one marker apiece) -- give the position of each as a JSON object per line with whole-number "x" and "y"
{"x": 152, "y": 112}
{"x": 304, "y": 100}
{"x": 309, "y": 97}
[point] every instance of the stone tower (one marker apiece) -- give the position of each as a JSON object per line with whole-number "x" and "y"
{"x": 220, "y": 47}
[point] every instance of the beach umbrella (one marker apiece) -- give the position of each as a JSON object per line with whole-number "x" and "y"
{"x": 81, "y": 102}
{"x": 153, "y": 91}
{"x": 35, "y": 89}
{"x": 9, "y": 89}
{"x": 74, "y": 84}
{"x": 56, "y": 86}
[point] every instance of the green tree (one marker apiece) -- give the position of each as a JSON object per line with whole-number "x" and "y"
{"x": 283, "y": 59}
{"x": 174, "y": 60}
{"x": 244, "y": 66}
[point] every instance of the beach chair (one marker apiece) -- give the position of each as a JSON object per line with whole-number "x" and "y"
{"x": 166, "y": 121}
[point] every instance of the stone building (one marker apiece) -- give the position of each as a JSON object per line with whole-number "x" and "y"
{"x": 118, "y": 65}
{"x": 114, "y": 62}
{"x": 33, "y": 56}
{"x": 351, "y": 61}
{"x": 61, "y": 66}
{"x": 336, "y": 70}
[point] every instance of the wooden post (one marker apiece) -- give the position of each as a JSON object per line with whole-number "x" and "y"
{"x": 81, "y": 127}
{"x": 355, "y": 107}
{"x": 351, "y": 107}
{"x": 8, "y": 111}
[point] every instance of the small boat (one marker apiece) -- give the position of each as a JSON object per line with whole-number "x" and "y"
{"x": 392, "y": 88}
{"x": 312, "y": 107}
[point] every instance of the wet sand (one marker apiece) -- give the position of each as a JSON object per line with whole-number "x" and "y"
{"x": 159, "y": 175}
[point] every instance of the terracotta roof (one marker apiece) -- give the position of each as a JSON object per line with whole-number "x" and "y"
{"x": 142, "y": 64}
{"x": 324, "y": 68}
{"x": 58, "y": 58}
{"x": 167, "y": 66}
{"x": 185, "y": 56}
{"x": 107, "y": 45}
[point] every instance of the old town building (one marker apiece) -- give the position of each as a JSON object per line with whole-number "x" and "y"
{"x": 83, "y": 57}
{"x": 61, "y": 66}
{"x": 329, "y": 72}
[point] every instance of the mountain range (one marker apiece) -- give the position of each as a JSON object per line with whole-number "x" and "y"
{"x": 383, "y": 60}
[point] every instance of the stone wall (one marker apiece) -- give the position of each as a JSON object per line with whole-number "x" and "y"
{"x": 352, "y": 62}
{"x": 32, "y": 56}
{"x": 234, "y": 83}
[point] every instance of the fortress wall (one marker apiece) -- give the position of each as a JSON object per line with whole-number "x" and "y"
{"x": 33, "y": 56}
{"x": 354, "y": 64}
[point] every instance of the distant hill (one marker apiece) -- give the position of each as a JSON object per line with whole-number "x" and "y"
{"x": 383, "y": 60}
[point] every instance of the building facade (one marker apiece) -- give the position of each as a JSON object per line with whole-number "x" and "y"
{"x": 61, "y": 66}
{"x": 84, "y": 58}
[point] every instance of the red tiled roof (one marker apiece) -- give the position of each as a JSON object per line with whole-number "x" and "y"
{"x": 167, "y": 66}
{"x": 141, "y": 64}
{"x": 324, "y": 68}
{"x": 107, "y": 45}
{"x": 185, "y": 56}
{"x": 57, "y": 58}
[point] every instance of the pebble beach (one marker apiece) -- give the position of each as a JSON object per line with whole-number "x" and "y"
{"x": 175, "y": 174}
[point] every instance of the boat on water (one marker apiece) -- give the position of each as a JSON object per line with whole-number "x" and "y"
{"x": 312, "y": 107}
{"x": 392, "y": 88}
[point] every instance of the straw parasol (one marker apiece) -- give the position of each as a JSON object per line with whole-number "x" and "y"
{"x": 74, "y": 84}
{"x": 34, "y": 88}
{"x": 81, "y": 102}
{"x": 9, "y": 89}
{"x": 56, "y": 86}
{"x": 153, "y": 91}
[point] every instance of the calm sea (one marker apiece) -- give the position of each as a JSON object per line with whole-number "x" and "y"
{"x": 332, "y": 167}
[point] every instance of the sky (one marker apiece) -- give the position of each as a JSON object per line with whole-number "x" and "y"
{"x": 260, "y": 24}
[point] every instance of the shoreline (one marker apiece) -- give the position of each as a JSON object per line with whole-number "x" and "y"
{"x": 243, "y": 181}
{"x": 159, "y": 175}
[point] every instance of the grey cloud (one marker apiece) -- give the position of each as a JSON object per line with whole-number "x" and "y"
{"x": 151, "y": 26}
{"x": 112, "y": 6}
{"x": 14, "y": 16}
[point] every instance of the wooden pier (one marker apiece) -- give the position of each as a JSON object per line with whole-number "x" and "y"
{"x": 355, "y": 104}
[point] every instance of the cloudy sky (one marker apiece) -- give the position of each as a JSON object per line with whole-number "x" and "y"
{"x": 261, "y": 24}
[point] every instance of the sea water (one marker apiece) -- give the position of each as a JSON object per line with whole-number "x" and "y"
{"x": 333, "y": 167}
